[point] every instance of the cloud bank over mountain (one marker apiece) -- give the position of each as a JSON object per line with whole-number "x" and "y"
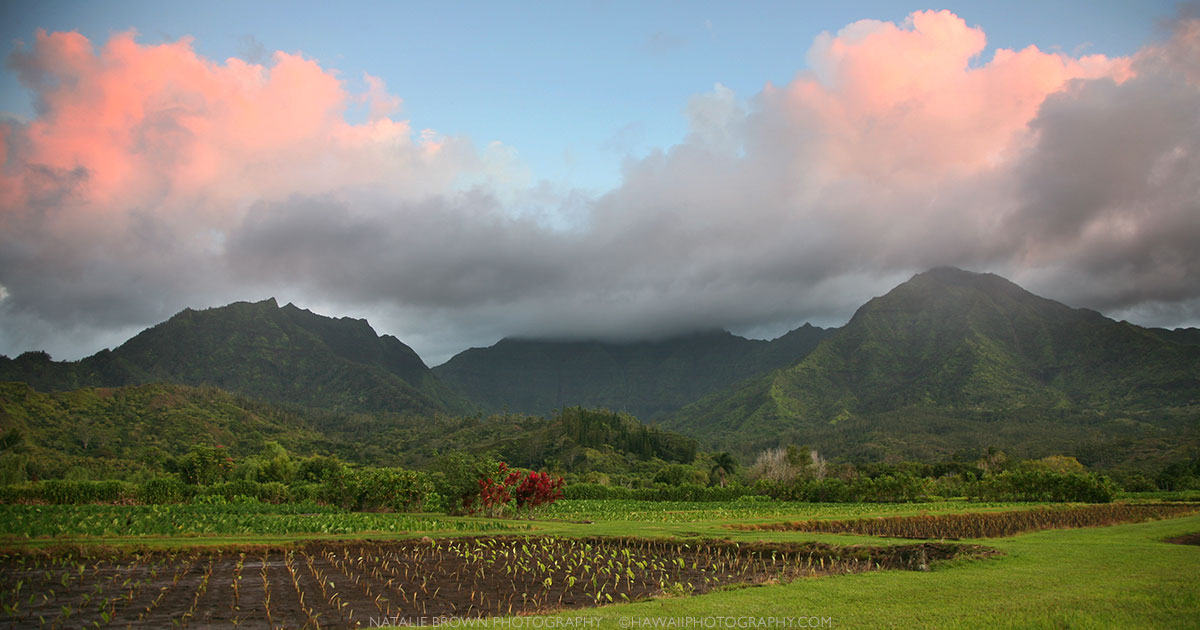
{"x": 152, "y": 178}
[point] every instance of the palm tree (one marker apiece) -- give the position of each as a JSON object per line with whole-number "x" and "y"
{"x": 723, "y": 464}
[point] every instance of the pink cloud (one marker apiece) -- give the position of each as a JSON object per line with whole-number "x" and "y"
{"x": 160, "y": 126}
{"x": 904, "y": 147}
{"x": 913, "y": 100}
{"x": 382, "y": 104}
{"x": 120, "y": 199}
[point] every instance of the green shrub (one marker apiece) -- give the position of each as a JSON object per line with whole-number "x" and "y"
{"x": 1137, "y": 482}
{"x": 164, "y": 490}
{"x": 63, "y": 492}
{"x": 752, "y": 499}
{"x": 394, "y": 489}
{"x": 315, "y": 492}
{"x": 899, "y": 488}
{"x": 230, "y": 489}
{"x": 205, "y": 465}
{"x": 273, "y": 492}
{"x": 1043, "y": 485}
{"x": 679, "y": 475}
{"x": 268, "y": 492}
{"x": 812, "y": 490}
{"x": 318, "y": 469}
{"x": 1179, "y": 476}
{"x": 241, "y": 501}
{"x": 20, "y": 493}
{"x": 12, "y": 467}
{"x": 660, "y": 492}
{"x": 456, "y": 476}
{"x": 435, "y": 502}
{"x": 949, "y": 486}
{"x": 596, "y": 491}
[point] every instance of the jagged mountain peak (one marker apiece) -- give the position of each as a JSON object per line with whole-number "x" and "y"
{"x": 259, "y": 349}
{"x": 955, "y": 344}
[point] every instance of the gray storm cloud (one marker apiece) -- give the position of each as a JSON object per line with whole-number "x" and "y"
{"x": 1077, "y": 177}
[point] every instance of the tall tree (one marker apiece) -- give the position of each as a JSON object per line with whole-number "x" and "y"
{"x": 724, "y": 464}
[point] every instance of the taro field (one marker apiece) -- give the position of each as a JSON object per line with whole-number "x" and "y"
{"x": 697, "y": 512}
{"x": 260, "y": 519}
{"x": 985, "y": 524}
{"x": 364, "y": 584}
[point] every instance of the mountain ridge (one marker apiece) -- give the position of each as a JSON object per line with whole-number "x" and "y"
{"x": 955, "y": 345}
{"x": 946, "y": 361}
{"x": 646, "y": 378}
{"x": 282, "y": 354}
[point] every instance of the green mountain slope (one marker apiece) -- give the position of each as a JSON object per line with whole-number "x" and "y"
{"x": 128, "y": 428}
{"x": 953, "y": 359}
{"x": 1184, "y": 336}
{"x": 261, "y": 350}
{"x": 646, "y": 379}
{"x": 120, "y": 431}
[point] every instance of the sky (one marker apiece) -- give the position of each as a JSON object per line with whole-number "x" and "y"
{"x": 461, "y": 172}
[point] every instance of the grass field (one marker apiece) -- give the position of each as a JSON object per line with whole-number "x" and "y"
{"x": 1121, "y": 576}
{"x": 1098, "y": 577}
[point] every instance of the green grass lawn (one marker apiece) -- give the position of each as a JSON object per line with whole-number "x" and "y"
{"x": 1112, "y": 577}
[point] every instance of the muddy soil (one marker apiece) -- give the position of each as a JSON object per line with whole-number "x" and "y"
{"x": 1186, "y": 539}
{"x": 365, "y": 584}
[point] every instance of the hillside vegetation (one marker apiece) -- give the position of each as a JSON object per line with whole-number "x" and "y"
{"x": 261, "y": 350}
{"x": 648, "y": 379}
{"x": 127, "y": 431}
{"x": 942, "y": 367}
{"x": 953, "y": 360}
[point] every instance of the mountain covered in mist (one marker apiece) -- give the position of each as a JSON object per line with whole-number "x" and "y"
{"x": 953, "y": 359}
{"x": 281, "y": 354}
{"x": 947, "y": 362}
{"x": 648, "y": 379}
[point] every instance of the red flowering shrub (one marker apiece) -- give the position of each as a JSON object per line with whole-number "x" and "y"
{"x": 537, "y": 489}
{"x": 508, "y": 486}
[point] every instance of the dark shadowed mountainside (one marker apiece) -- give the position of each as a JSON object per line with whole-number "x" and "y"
{"x": 648, "y": 379}
{"x": 1184, "y": 336}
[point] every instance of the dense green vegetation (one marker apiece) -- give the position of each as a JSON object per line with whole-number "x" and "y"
{"x": 463, "y": 483}
{"x": 237, "y": 517}
{"x": 750, "y": 508}
{"x": 208, "y": 438}
{"x": 953, "y": 360}
{"x": 1023, "y": 485}
{"x": 102, "y": 433}
{"x": 140, "y": 431}
{"x": 986, "y": 525}
{"x": 648, "y": 379}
